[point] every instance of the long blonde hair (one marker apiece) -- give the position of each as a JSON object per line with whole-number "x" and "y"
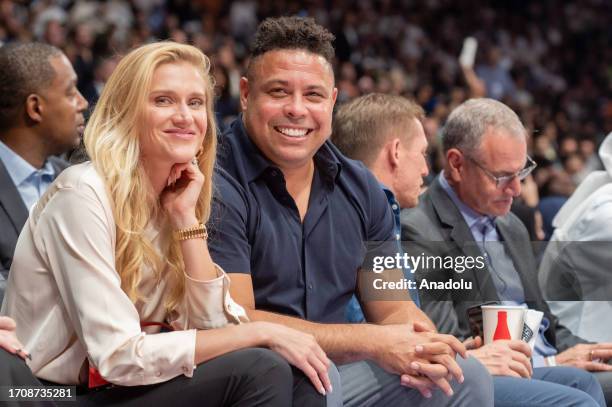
{"x": 112, "y": 143}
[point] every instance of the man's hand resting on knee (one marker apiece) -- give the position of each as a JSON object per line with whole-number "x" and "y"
{"x": 423, "y": 358}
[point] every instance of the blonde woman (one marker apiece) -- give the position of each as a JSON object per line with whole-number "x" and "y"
{"x": 116, "y": 248}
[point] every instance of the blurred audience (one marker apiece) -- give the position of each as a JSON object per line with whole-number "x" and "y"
{"x": 556, "y": 75}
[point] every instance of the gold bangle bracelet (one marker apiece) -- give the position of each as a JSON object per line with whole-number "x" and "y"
{"x": 193, "y": 232}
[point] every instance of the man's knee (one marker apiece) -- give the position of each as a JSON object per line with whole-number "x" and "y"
{"x": 584, "y": 380}
{"x": 588, "y": 383}
{"x": 477, "y": 387}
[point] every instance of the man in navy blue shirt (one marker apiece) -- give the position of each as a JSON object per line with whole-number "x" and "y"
{"x": 290, "y": 223}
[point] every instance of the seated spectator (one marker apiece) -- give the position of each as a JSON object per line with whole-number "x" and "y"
{"x": 576, "y": 264}
{"x": 41, "y": 116}
{"x": 386, "y": 134}
{"x": 117, "y": 248}
{"x": 291, "y": 223}
{"x": 468, "y": 209}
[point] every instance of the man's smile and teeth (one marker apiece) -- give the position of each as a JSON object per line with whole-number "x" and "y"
{"x": 294, "y": 132}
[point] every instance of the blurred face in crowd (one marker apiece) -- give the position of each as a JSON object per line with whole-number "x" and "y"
{"x": 63, "y": 106}
{"x": 287, "y": 104}
{"x": 500, "y": 154}
{"x": 408, "y": 180}
{"x": 175, "y": 112}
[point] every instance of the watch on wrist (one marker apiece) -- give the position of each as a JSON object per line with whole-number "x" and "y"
{"x": 194, "y": 232}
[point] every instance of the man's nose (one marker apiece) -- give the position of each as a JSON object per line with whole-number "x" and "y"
{"x": 295, "y": 107}
{"x": 425, "y": 170}
{"x": 514, "y": 187}
{"x": 82, "y": 103}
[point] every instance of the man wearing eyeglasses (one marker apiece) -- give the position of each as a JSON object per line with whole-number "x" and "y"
{"x": 466, "y": 213}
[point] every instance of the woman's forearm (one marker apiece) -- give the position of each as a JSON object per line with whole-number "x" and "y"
{"x": 198, "y": 263}
{"x": 215, "y": 342}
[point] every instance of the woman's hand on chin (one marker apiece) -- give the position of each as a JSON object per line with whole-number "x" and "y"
{"x": 180, "y": 196}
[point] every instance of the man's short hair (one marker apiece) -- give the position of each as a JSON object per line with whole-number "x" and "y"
{"x": 468, "y": 123}
{"x": 362, "y": 126}
{"x": 297, "y": 33}
{"x": 24, "y": 69}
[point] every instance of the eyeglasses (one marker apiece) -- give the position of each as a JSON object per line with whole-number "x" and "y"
{"x": 505, "y": 180}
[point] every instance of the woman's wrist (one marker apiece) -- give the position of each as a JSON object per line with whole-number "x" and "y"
{"x": 184, "y": 221}
{"x": 260, "y": 333}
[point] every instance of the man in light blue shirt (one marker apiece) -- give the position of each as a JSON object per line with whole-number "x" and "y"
{"x": 31, "y": 182}
{"x": 467, "y": 208}
{"x": 41, "y": 116}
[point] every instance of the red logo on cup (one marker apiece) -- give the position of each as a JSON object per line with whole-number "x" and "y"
{"x": 501, "y": 330}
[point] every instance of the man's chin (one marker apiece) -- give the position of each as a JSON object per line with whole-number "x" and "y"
{"x": 77, "y": 143}
{"x": 502, "y": 208}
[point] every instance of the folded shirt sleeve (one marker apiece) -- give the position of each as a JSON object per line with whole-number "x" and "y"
{"x": 208, "y": 304}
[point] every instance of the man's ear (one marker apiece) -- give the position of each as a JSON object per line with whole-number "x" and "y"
{"x": 393, "y": 152}
{"x": 34, "y": 108}
{"x": 244, "y": 93}
{"x": 455, "y": 162}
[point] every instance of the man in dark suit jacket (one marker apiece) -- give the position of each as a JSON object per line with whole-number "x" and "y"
{"x": 41, "y": 116}
{"x": 465, "y": 214}
{"x": 13, "y": 212}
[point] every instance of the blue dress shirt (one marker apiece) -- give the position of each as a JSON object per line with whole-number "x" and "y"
{"x": 30, "y": 182}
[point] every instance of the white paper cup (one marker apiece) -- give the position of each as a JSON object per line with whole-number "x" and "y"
{"x": 502, "y": 322}
{"x": 532, "y": 319}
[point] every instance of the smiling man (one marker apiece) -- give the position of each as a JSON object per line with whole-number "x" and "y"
{"x": 41, "y": 116}
{"x": 290, "y": 222}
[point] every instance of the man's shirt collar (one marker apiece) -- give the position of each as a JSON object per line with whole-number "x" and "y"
{"x": 470, "y": 216}
{"x": 19, "y": 169}
{"x": 389, "y": 194}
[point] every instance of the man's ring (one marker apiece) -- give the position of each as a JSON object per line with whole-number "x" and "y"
{"x": 194, "y": 161}
{"x": 591, "y": 355}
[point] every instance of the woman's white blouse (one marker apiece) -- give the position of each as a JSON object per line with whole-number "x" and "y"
{"x": 66, "y": 297}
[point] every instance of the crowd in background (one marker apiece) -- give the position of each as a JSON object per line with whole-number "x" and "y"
{"x": 549, "y": 61}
